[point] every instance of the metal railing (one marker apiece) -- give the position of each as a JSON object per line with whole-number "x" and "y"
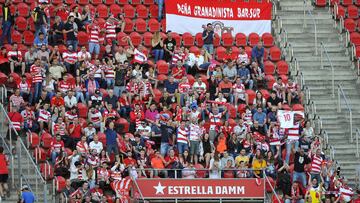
{"x": 324, "y": 51}
{"x": 357, "y": 141}
{"x": 3, "y": 94}
{"x": 307, "y": 11}
{"x": 26, "y": 169}
{"x": 342, "y": 96}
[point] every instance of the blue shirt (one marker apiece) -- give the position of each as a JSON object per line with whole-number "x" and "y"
{"x": 170, "y": 87}
{"x": 110, "y": 137}
{"x": 210, "y": 38}
{"x": 260, "y": 117}
{"x": 28, "y": 197}
{"x": 244, "y": 73}
{"x": 39, "y": 42}
{"x": 257, "y": 53}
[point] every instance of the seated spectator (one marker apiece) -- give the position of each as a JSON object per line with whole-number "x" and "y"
{"x": 178, "y": 72}
{"x": 66, "y": 192}
{"x": 157, "y": 45}
{"x": 244, "y": 75}
{"x": 280, "y": 89}
{"x": 257, "y": 54}
{"x": 16, "y": 60}
{"x": 274, "y": 101}
{"x": 70, "y": 100}
{"x": 230, "y": 71}
{"x": 188, "y": 172}
{"x": 30, "y": 57}
{"x": 17, "y": 100}
{"x": 40, "y": 40}
{"x": 258, "y": 164}
{"x": 257, "y": 75}
{"x": 158, "y": 164}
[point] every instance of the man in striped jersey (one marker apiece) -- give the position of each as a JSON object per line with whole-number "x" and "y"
{"x": 16, "y": 123}
{"x": 182, "y": 137}
{"x": 94, "y": 32}
{"x": 16, "y": 60}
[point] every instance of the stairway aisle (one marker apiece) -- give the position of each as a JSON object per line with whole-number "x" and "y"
{"x": 319, "y": 80}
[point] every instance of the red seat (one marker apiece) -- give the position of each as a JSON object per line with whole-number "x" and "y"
{"x": 240, "y": 39}
{"x": 136, "y": 38}
{"x": 109, "y": 2}
{"x": 265, "y": 93}
{"x": 357, "y": 52}
{"x": 229, "y": 174}
{"x": 60, "y": 183}
{"x": 232, "y": 111}
{"x": 31, "y": 24}
{"x": 267, "y": 185}
{"x": 83, "y": 38}
{"x": 200, "y": 171}
{"x": 129, "y": 25}
{"x": 158, "y": 95}
{"x": 188, "y": 39}
{"x": 47, "y": 171}
{"x": 140, "y": 25}
{"x": 340, "y": 12}
{"x": 254, "y": 39}
{"x": 227, "y": 39}
{"x": 114, "y": 9}
{"x": 163, "y": 25}
{"x": 199, "y": 40}
{"x": 102, "y": 11}
{"x": 17, "y": 1}
{"x": 347, "y": 2}
{"x": 28, "y": 38}
{"x": 162, "y": 67}
{"x": 56, "y": 2}
{"x": 23, "y": 9}
{"x": 120, "y": 40}
{"x": 251, "y": 95}
{"x": 46, "y": 140}
{"x": 33, "y": 139}
{"x": 16, "y": 37}
{"x": 298, "y": 107}
{"x": 154, "y": 11}
{"x": 275, "y": 54}
{"x": 353, "y": 12}
{"x": 147, "y": 39}
{"x": 320, "y": 3}
{"x": 124, "y": 123}
{"x": 220, "y": 53}
{"x": 96, "y": 2}
{"x": 30, "y": 1}
{"x": 357, "y": 2}
{"x": 70, "y": 2}
{"x": 267, "y": 39}
{"x": 282, "y": 68}
{"x": 355, "y": 38}
{"x": 191, "y": 79}
{"x": 350, "y": 25}
{"x": 102, "y": 138}
{"x": 177, "y": 38}
{"x": 148, "y": 2}
{"x": 154, "y": 25}
{"x": 142, "y": 11}
{"x": 270, "y": 80}
{"x": 217, "y": 40}
{"x": 135, "y": 2}
{"x": 21, "y": 23}
{"x": 162, "y": 77}
{"x": 269, "y": 68}
{"x": 83, "y": 110}
{"x": 195, "y": 50}
{"x": 284, "y": 78}
{"x": 83, "y": 2}
{"x": 129, "y": 11}
{"x": 39, "y": 154}
{"x": 333, "y": 2}
{"x": 123, "y": 2}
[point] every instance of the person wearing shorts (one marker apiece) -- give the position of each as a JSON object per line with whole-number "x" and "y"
{"x": 4, "y": 174}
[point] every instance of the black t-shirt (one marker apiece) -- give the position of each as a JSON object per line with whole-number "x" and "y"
{"x": 274, "y": 102}
{"x": 39, "y": 16}
{"x": 210, "y": 38}
{"x": 300, "y": 161}
{"x": 304, "y": 145}
{"x": 44, "y": 101}
{"x": 166, "y": 132}
{"x": 112, "y": 100}
{"x": 166, "y": 101}
{"x": 120, "y": 77}
{"x": 70, "y": 35}
{"x": 170, "y": 44}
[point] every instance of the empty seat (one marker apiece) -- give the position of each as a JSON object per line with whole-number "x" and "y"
{"x": 16, "y": 37}
{"x": 147, "y": 39}
{"x": 177, "y": 38}
{"x": 240, "y": 39}
{"x": 60, "y": 183}
{"x": 188, "y": 39}
{"x": 114, "y": 9}
{"x": 140, "y": 25}
{"x": 96, "y": 2}
{"x": 33, "y": 139}
{"x": 340, "y": 12}
{"x": 28, "y": 38}
{"x": 275, "y": 54}
{"x": 353, "y": 12}
{"x": 269, "y": 68}
{"x": 199, "y": 40}
{"x": 129, "y": 25}
{"x": 120, "y": 36}
{"x": 83, "y": 38}
{"x": 350, "y": 25}
{"x": 47, "y": 171}
{"x": 154, "y": 11}
{"x": 333, "y": 2}
{"x": 136, "y": 38}
{"x": 268, "y": 39}
{"x": 321, "y": 3}
{"x": 195, "y": 50}
{"x": 123, "y": 2}
{"x": 21, "y": 23}
{"x": 110, "y": 2}
{"x": 162, "y": 67}
{"x": 254, "y": 39}
{"x": 357, "y": 52}
{"x": 102, "y": 11}
{"x": 31, "y": 24}
{"x": 282, "y": 68}
{"x": 148, "y": 2}
{"x": 142, "y": 11}
{"x": 23, "y": 9}
{"x": 154, "y": 25}
{"x": 347, "y": 2}
{"x": 135, "y": 2}
{"x": 39, "y": 154}
{"x": 227, "y": 39}
{"x": 251, "y": 95}
{"x": 217, "y": 40}
{"x": 70, "y": 2}
{"x": 355, "y": 38}
{"x": 220, "y": 53}
{"x": 270, "y": 80}
{"x": 298, "y": 107}
{"x": 129, "y": 11}
{"x": 83, "y": 2}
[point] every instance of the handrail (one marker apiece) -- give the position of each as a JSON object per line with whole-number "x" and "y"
{"x": 324, "y": 50}
{"x": 341, "y": 94}
{"x": 10, "y": 156}
{"x": 357, "y": 141}
{"x": 307, "y": 10}
{"x": 21, "y": 147}
{"x": 3, "y": 94}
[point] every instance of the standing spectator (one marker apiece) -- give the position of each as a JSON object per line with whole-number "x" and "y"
{"x": 120, "y": 79}
{"x": 195, "y": 136}
{"x": 39, "y": 17}
{"x": 87, "y": 16}
{"x": 111, "y": 140}
{"x": 244, "y": 74}
{"x": 56, "y": 70}
{"x": 70, "y": 29}
{"x": 157, "y": 46}
{"x": 94, "y": 46}
{"x": 300, "y": 160}
{"x": 16, "y": 100}
{"x": 44, "y": 55}
{"x": 83, "y": 56}
{"x": 160, "y": 11}
{"x": 57, "y": 146}
{"x": 182, "y": 137}
{"x": 16, "y": 60}
{"x": 316, "y": 165}
{"x": 37, "y": 77}
{"x": 169, "y": 46}
{"x": 257, "y": 55}
{"x": 26, "y": 195}
{"x": 66, "y": 192}
{"x": 208, "y": 38}
{"x": 4, "y": 174}
{"x": 7, "y": 22}
{"x": 70, "y": 59}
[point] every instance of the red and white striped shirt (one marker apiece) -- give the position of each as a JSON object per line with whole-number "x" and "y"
{"x": 103, "y": 174}
{"x": 109, "y": 72}
{"x": 82, "y": 147}
{"x": 24, "y": 87}
{"x": 132, "y": 88}
{"x": 110, "y": 30}
{"x": 44, "y": 116}
{"x": 59, "y": 129}
{"x": 56, "y": 146}
{"x": 178, "y": 57}
{"x": 195, "y": 132}
{"x": 122, "y": 188}
{"x": 94, "y": 161}
{"x": 95, "y": 117}
{"x": 215, "y": 120}
{"x": 15, "y": 55}
{"x": 96, "y": 70}
{"x": 139, "y": 57}
{"x": 293, "y": 133}
{"x": 110, "y": 114}
{"x": 35, "y": 71}
{"x": 70, "y": 57}
{"x": 64, "y": 86}
{"x": 116, "y": 175}
{"x": 346, "y": 193}
{"x": 16, "y": 120}
{"x": 145, "y": 88}
{"x": 182, "y": 135}
{"x": 94, "y": 35}
{"x": 316, "y": 164}
{"x": 184, "y": 87}
{"x": 70, "y": 116}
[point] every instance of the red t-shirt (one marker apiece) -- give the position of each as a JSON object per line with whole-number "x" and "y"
{"x": 3, "y": 164}
{"x": 176, "y": 70}
{"x": 128, "y": 161}
{"x": 77, "y": 131}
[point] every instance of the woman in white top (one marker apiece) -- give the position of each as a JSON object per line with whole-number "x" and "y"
{"x": 48, "y": 85}
{"x": 215, "y": 166}
{"x": 198, "y": 62}
{"x": 308, "y": 131}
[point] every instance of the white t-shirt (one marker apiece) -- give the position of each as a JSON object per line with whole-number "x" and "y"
{"x": 243, "y": 58}
{"x": 98, "y": 146}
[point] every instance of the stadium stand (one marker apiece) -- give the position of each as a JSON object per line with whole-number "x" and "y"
{"x": 121, "y": 98}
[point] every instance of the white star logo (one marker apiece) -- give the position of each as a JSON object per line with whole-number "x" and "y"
{"x": 159, "y": 188}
